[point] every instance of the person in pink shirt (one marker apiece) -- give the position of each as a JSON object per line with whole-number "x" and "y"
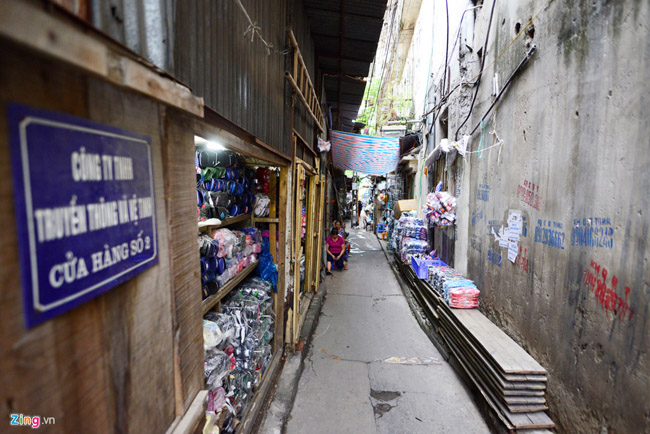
{"x": 335, "y": 251}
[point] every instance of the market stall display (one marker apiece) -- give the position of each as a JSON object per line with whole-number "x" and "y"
{"x": 458, "y": 291}
{"x": 440, "y": 208}
{"x": 237, "y": 343}
{"x": 409, "y": 236}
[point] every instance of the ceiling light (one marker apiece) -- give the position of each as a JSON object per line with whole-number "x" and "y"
{"x": 200, "y": 141}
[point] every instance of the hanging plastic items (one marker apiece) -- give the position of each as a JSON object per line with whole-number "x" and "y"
{"x": 267, "y": 269}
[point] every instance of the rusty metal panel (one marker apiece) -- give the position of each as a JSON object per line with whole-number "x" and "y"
{"x": 146, "y": 27}
{"x": 237, "y": 78}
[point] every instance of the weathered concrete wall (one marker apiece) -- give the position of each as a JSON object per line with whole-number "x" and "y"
{"x": 574, "y": 161}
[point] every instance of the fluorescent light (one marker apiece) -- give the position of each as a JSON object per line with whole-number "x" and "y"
{"x": 200, "y": 141}
{"x": 214, "y": 145}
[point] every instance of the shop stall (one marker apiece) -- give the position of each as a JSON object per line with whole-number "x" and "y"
{"x": 240, "y": 222}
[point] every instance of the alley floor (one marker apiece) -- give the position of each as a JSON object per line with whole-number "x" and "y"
{"x": 349, "y": 384}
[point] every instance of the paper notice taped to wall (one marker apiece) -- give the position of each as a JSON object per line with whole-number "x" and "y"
{"x": 512, "y": 251}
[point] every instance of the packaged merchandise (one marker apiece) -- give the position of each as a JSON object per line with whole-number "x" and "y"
{"x": 440, "y": 208}
{"x": 238, "y": 342}
{"x": 261, "y": 206}
{"x": 458, "y": 292}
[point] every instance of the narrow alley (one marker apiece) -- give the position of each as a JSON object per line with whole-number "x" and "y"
{"x": 325, "y": 216}
{"x": 371, "y": 368}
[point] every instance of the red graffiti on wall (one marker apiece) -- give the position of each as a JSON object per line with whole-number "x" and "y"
{"x": 522, "y": 259}
{"x": 528, "y": 194}
{"x": 596, "y": 278}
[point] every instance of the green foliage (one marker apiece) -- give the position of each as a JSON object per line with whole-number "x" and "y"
{"x": 381, "y": 105}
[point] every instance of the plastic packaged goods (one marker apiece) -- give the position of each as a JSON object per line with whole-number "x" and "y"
{"x": 411, "y": 246}
{"x": 217, "y": 365}
{"x": 440, "y": 208}
{"x": 261, "y": 206}
{"x": 458, "y": 291}
{"x": 212, "y": 335}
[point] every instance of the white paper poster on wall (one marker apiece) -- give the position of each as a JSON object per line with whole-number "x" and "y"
{"x": 512, "y": 251}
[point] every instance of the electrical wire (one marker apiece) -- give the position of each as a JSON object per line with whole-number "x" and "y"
{"x": 478, "y": 85}
{"x": 501, "y": 53}
{"x": 460, "y": 24}
{"x": 505, "y": 86}
{"x": 444, "y": 76}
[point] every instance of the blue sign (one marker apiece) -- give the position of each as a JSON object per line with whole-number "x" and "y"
{"x": 85, "y": 208}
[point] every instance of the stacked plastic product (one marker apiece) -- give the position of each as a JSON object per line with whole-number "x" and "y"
{"x": 224, "y": 187}
{"x": 458, "y": 291}
{"x": 262, "y": 200}
{"x": 237, "y": 344}
{"x": 440, "y": 208}
{"x": 224, "y": 254}
{"x": 411, "y": 237}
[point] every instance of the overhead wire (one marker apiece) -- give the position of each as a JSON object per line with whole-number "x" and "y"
{"x": 501, "y": 53}
{"x": 478, "y": 84}
{"x": 452, "y": 51}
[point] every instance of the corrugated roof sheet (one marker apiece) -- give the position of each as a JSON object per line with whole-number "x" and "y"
{"x": 350, "y": 56}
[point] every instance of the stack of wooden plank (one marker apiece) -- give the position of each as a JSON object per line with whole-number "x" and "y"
{"x": 509, "y": 379}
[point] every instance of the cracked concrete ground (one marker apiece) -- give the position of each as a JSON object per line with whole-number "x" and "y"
{"x": 347, "y": 385}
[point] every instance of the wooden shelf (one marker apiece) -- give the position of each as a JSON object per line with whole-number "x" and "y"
{"x": 227, "y": 222}
{"x": 266, "y": 220}
{"x": 211, "y": 301}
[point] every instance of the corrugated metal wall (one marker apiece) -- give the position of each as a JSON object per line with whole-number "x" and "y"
{"x": 202, "y": 43}
{"x": 237, "y": 78}
{"x": 145, "y": 26}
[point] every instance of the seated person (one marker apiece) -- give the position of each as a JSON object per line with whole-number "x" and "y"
{"x": 335, "y": 251}
{"x": 342, "y": 233}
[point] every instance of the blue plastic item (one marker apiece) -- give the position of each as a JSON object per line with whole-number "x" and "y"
{"x": 421, "y": 266}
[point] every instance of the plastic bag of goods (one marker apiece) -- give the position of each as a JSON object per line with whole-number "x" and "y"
{"x": 217, "y": 365}
{"x": 411, "y": 247}
{"x": 226, "y": 239}
{"x": 212, "y": 335}
{"x": 461, "y": 293}
{"x": 440, "y": 208}
{"x": 261, "y": 206}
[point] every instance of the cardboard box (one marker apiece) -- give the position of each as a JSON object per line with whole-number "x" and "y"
{"x": 405, "y": 205}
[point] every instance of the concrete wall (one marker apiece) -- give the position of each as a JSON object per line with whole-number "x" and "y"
{"x": 574, "y": 162}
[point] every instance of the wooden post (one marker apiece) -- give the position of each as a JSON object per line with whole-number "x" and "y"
{"x": 319, "y": 226}
{"x": 299, "y": 177}
{"x": 273, "y": 194}
{"x": 282, "y": 228}
{"x": 309, "y": 234}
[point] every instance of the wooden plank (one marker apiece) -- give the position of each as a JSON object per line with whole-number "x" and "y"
{"x": 493, "y": 349}
{"x": 188, "y": 340}
{"x": 511, "y": 420}
{"x": 510, "y": 382}
{"x": 212, "y": 300}
{"x": 210, "y": 129}
{"x": 319, "y": 240}
{"x": 43, "y": 32}
{"x": 514, "y": 404}
{"x": 191, "y": 419}
{"x": 226, "y": 222}
{"x": 298, "y": 250}
{"x": 309, "y": 240}
{"x": 506, "y": 352}
{"x": 273, "y": 195}
{"x": 283, "y": 194}
{"x": 302, "y": 99}
{"x": 266, "y": 220}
